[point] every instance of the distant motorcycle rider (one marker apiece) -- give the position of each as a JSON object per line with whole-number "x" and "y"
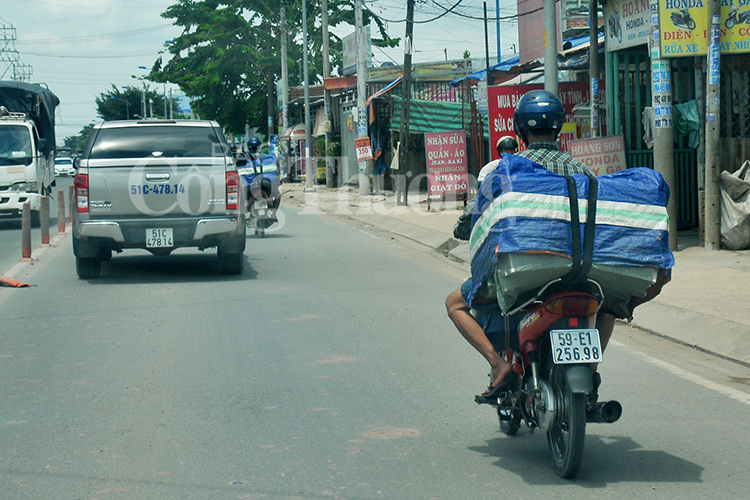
{"x": 263, "y": 188}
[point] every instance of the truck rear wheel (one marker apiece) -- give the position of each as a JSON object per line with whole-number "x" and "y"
{"x": 231, "y": 263}
{"x": 88, "y": 267}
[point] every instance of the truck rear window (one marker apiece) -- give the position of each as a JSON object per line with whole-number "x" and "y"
{"x": 159, "y": 141}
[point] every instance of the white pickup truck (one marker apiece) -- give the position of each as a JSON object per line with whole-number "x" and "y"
{"x": 157, "y": 185}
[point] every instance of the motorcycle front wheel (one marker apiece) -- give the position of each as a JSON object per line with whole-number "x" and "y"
{"x": 567, "y": 434}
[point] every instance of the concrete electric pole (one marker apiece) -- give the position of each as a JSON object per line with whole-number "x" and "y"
{"x": 364, "y": 180}
{"x": 309, "y": 170}
{"x": 326, "y": 94}
{"x": 661, "y": 83}
{"x": 713, "y": 194}
{"x": 403, "y": 135}
{"x": 285, "y": 86}
{"x": 550, "y": 46}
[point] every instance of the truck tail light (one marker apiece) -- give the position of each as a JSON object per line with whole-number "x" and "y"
{"x": 81, "y": 183}
{"x": 233, "y": 190}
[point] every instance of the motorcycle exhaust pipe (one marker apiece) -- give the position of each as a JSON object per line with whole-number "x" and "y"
{"x": 605, "y": 412}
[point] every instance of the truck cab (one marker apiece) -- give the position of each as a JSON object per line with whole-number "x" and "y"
{"x": 27, "y": 147}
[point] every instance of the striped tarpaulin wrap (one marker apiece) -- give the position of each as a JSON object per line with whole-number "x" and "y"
{"x": 523, "y": 207}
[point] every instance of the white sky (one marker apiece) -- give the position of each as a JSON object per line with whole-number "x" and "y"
{"x": 79, "y": 48}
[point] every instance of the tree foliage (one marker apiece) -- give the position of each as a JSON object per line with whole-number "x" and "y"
{"x": 128, "y": 104}
{"x": 228, "y": 57}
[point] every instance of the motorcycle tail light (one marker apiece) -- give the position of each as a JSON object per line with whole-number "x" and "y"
{"x": 572, "y": 306}
{"x": 233, "y": 183}
{"x": 81, "y": 183}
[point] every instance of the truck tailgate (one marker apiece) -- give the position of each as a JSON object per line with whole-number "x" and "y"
{"x": 157, "y": 187}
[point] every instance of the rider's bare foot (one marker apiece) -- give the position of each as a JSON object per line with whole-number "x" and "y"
{"x": 498, "y": 375}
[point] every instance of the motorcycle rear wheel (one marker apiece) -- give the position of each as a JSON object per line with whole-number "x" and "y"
{"x": 567, "y": 435}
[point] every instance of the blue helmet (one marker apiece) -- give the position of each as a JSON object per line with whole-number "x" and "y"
{"x": 253, "y": 144}
{"x": 538, "y": 110}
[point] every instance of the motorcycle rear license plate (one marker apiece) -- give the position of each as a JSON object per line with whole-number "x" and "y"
{"x": 159, "y": 237}
{"x": 576, "y": 346}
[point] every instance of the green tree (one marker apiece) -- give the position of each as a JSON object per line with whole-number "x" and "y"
{"x": 128, "y": 104}
{"x": 77, "y": 142}
{"x": 228, "y": 55}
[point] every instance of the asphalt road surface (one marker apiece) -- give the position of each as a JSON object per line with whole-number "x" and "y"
{"x": 10, "y": 228}
{"x": 326, "y": 370}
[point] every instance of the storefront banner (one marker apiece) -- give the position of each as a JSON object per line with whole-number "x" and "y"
{"x": 684, "y": 27}
{"x": 604, "y": 155}
{"x": 628, "y": 23}
{"x": 447, "y": 167}
{"x": 502, "y": 101}
{"x": 735, "y": 26}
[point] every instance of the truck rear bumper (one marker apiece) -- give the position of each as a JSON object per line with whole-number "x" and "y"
{"x": 116, "y": 232}
{"x": 13, "y": 202}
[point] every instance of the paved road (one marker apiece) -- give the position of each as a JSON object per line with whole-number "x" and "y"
{"x": 328, "y": 369}
{"x": 10, "y": 229}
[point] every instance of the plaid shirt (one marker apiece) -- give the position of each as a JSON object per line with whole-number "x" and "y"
{"x": 550, "y": 157}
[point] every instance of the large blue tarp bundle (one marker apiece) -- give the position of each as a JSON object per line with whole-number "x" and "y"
{"x": 523, "y": 207}
{"x": 265, "y": 166}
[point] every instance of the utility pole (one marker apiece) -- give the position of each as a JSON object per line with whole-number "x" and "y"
{"x": 550, "y": 46}
{"x": 285, "y": 87}
{"x": 405, "y": 104}
{"x": 497, "y": 28}
{"x": 309, "y": 172}
{"x": 364, "y": 180}
{"x": 713, "y": 198}
{"x": 661, "y": 83}
{"x": 594, "y": 66}
{"x": 327, "y": 95}
{"x": 486, "y": 45}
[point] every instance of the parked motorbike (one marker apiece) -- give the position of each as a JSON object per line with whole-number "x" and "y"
{"x": 735, "y": 17}
{"x": 261, "y": 179}
{"x": 682, "y": 19}
{"x": 552, "y": 352}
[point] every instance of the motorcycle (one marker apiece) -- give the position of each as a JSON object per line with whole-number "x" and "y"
{"x": 735, "y": 17}
{"x": 552, "y": 346}
{"x": 614, "y": 26}
{"x": 682, "y": 19}
{"x": 261, "y": 179}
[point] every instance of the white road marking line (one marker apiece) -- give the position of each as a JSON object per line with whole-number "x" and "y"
{"x": 697, "y": 379}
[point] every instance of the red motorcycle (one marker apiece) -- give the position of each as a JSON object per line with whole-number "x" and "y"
{"x": 552, "y": 351}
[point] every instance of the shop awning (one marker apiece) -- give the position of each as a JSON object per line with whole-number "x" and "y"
{"x": 429, "y": 116}
{"x": 295, "y": 133}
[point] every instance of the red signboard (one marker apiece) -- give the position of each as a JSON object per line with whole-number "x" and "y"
{"x": 503, "y": 99}
{"x": 364, "y": 150}
{"x": 446, "y": 162}
{"x": 604, "y": 155}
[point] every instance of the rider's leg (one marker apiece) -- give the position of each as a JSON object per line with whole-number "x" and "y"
{"x": 460, "y": 313}
{"x": 605, "y": 323}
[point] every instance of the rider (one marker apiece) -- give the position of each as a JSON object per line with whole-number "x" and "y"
{"x": 266, "y": 185}
{"x": 538, "y": 119}
{"x": 505, "y": 145}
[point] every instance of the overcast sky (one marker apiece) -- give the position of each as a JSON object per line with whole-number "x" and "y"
{"x": 79, "y": 48}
